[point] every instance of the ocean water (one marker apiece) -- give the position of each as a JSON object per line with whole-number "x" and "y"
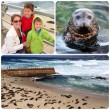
{"x": 72, "y": 73}
{"x": 101, "y": 11}
{"x": 43, "y": 6}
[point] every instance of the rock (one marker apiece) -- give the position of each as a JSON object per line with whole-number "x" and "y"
{"x": 99, "y": 77}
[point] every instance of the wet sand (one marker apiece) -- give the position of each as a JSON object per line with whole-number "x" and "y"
{"x": 25, "y": 93}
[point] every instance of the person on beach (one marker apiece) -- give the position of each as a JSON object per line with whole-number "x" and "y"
{"x": 36, "y": 36}
{"x": 27, "y": 18}
{"x": 13, "y": 40}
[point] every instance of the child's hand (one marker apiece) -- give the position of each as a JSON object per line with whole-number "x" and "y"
{"x": 28, "y": 49}
{"x": 26, "y": 44}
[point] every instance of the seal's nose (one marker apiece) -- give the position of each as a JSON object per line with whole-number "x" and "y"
{"x": 84, "y": 24}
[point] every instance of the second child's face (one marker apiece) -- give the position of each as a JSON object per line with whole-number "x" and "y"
{"x": 27, "y": 12}
{"x": 38, "y": 25}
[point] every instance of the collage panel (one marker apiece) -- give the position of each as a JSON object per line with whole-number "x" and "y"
{"x": 28, "y": 27}
{"x": 54, "y": 54}
{"x": 82, "y": 27}
{"x": 55, "y": 82}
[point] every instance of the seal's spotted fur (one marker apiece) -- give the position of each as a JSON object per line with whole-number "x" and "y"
{"x": 82, "y": 30}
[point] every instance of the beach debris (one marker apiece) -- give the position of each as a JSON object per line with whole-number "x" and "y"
{"x": 77, "y": 102}
{"x": 25, "y": 99}
{"x": 84, "y": 104}
{"x": 86, "y": 97}
{"x": 36, "y": 99}
{"x": 59, "y": 101}
{"x": 3, "y": 96}
{"x": 45, "y": 104}
{"x": 67, "y": 96}
{"x": 51, "y": 28}
{"x": 15, "y": 103}
{"x": 71, "y": 107}
{"x": 102, "y": 107}
{"x": 31, "y": 98}
{"x": 13, "y": 100}
{"x": 76, "y": 99}
{"x": 3, "y": 106}
{"x": 38, "y": 106}
{"x": 79, "y": 107}
{"x": 38, "y": 93}
{"x": 68, "y": 106}
{"x": 30, "y": 105}
{"x": 51, "y": 22}
{"x": 58, "y": 107}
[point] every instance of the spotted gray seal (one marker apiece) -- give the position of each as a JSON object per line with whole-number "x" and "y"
{"x": 82, "y": 30}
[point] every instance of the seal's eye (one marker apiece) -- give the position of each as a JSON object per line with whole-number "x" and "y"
{"x": 78, "y": 17}
{"x": 89, "y": 17}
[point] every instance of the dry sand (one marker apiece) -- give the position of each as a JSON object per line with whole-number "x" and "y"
{"x": 24, "y": 92}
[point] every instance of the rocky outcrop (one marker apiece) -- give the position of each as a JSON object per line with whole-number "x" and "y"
{"x": 100, "y": 77}
{"x": 4, "y": 8}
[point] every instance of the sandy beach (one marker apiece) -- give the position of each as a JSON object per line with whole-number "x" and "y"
{"x": 25, "y": 93}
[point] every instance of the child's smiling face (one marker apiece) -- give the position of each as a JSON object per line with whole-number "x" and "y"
{"x": 38, "y": 25}
{"x": 28, "y": 12}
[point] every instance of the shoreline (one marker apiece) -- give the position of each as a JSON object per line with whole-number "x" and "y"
{"x": 28, "y": 93}
{"x": 73, "y": 89}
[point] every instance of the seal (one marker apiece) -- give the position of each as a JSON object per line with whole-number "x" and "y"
{"x": 82, "y": 30}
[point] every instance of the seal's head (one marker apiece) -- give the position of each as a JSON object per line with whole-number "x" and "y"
{"x": 84, "y": 21}
{"x": 82, "y": 27}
